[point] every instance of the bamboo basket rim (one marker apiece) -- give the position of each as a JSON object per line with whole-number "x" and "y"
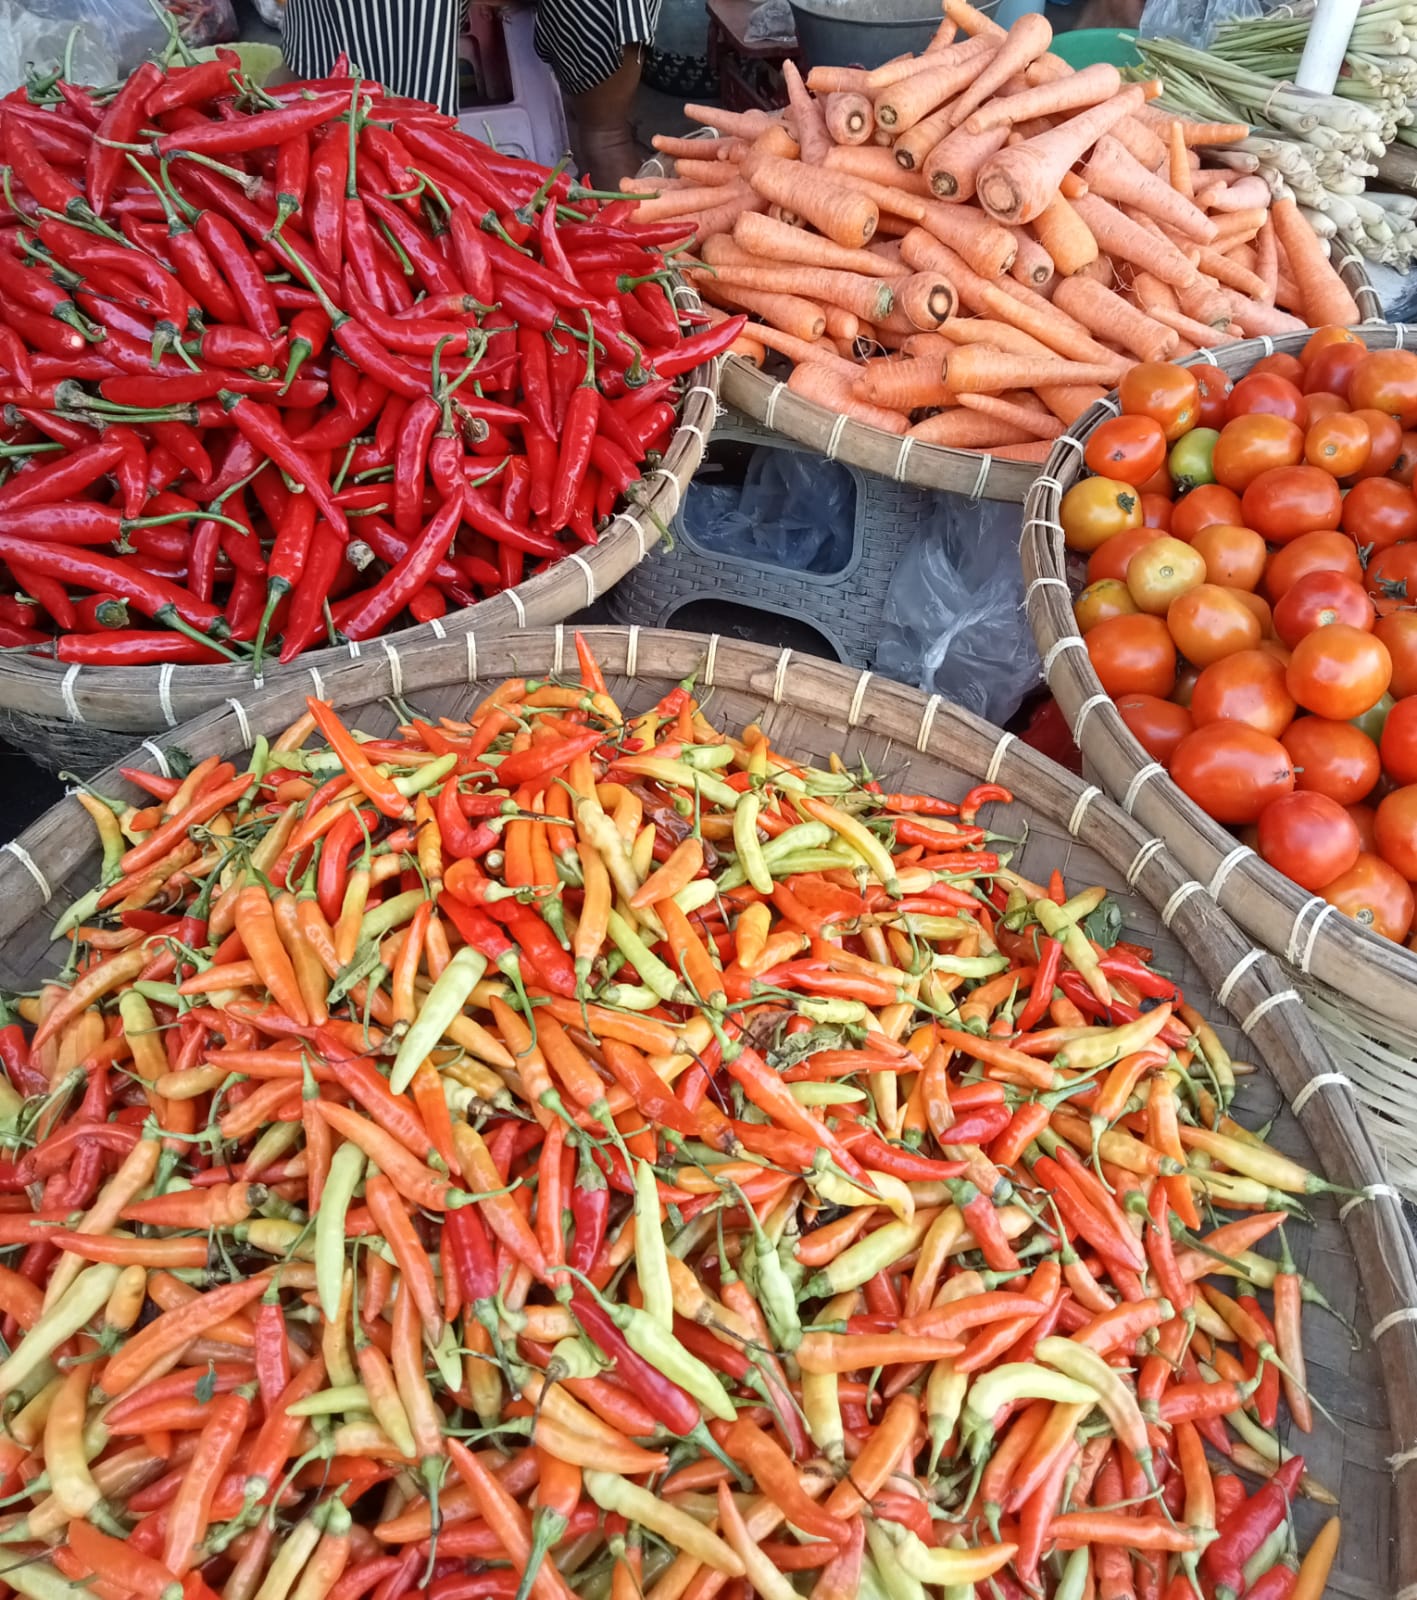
{"x": 137, "y": 700}
{"x": 1250, "y": 985}
{"x": 1366, "y": 970}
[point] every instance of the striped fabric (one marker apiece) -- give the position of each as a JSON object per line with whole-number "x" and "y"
{"x": 410, "y": 46}
{"x": 584, "y": 40}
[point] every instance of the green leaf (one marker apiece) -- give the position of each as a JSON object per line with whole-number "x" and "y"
{"x": 179, "y": 760}
{"x": 206, "y": 1387}
{"x": 1104, "y": 926}
{"x": 364, "y": 962}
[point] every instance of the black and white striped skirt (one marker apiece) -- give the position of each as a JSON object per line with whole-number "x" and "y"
{"x": 585, "y": 40}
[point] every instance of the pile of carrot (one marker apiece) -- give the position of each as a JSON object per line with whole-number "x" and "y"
{"x": 971, "y": 245}
{"x": 561, "y": 1153}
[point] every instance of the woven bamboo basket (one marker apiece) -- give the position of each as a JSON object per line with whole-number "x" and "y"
{"x": 1361, "y": 989}
{"x": 79, "y": 719}
{"x": 1360, "y": 1252}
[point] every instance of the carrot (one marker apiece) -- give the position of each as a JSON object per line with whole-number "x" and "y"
{"x": 1028, "y": 39}
{"x": 1243, "y": 224}
{"x": 1025, "y": 452}
{"x": 904, "y": 104}
{"x": 880, "y": 166}
{"x": 720, "y": 218}
{"x": 942, "y": 36}
{"x": 1256, "y": 318}
{"x": 839, "y": 80}
{"x": 968, "y": 430}
{"x": 1032, "y": 264}
{"x": 894, "y": 72}
{"x": 789, "y": 312}
{"x": 893, "y": 198}
{"x": 988, "y": 248}
{"x": 815, "y": 382}
{"x": 699, "y": 149}
{"x": 970, "y": 21}
{"x": 1061, "y": 332}
{"x": 928, "y": 344}
{"x": 1151, "y": 292}
{"x": 1076, "y": 91}
{"x": 648, "y": 185}
{"x": 1141, "y": 142}
{"x": 1205, "y": 301}
{"x": 1032, "y": 424}
{"x": 723, "y": 250}
{"x": 1232, "y": 274}
{"x": 977, "y": 370}
{"x": 683, "y": 202}
{"x": 1126, "y": 240}
{"x": 1065, "y": 236}
{"x": 846, "y": 217}
{"x": 813, "y": 139}
{"x": 926, "y": 299}
{"x": 842, "y": 326}
{"x": 785, "y": 344}
{"x": 850, "y": 117}
{"x": 903, "y": 385}
{"x": 1267, "y": 261}
{"x": 1247, "y": 192}
{"x": 952, "y": 167}
{"x": 1242, "y": 254}
{"x": 737, "y": 124}
{"x": 871, "y": 299}
{"x": 1016, "y": 184}
{"x": 749, "y": 350}
{"x": 707, "y": 174}
{"x": 1215, "y": 132}
{"x": 772, "y": 241}
{"x": 910, "y": 149}
{"x": 1109, "y": 316}
{"x": 1199, "y": 334}
{"x": 1115, "y": 174}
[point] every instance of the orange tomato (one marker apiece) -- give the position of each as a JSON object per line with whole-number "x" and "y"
{"x": 1385, "y": 436}
{"x": 1333, "y": 758}
{"x": 1286, "y": 502}
{"x": 1212, "y": 502}
{"x": 1339, "y": 443}
{"x": 1095, "y": 509}
{"x": 1399, "y": 633}
{"x": 1339, "y": 671}
{"x": 1386, "y": 380}
{"x": 1108, "y": 597}
{"x": 1162, "y": 570}
{"x": 1321, "y": 338}
{"x": 1254, "y": 444}
{"x": 1155, "y": 511}
{"x": 1395, "y": 829}
{"x": 1374, "y": 894}
{"x": 1209, "y": 623}
{"x": 1322, "y": 404}
{"x": 1324, "y": 551}
{"x": 1246, "y": 687}
{"x": 1233, "y": 556}
{"x": 1127, "y": 449}
{"x": 1168, "y": 395}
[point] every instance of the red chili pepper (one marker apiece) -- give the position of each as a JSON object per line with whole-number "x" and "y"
{"x": 394, "y": 590}
{"x": 322, "y": 563}
{"x": 254, "y": 132}
{"x": 243, "y": 277}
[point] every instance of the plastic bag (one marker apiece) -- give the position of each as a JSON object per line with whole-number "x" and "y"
{"x": 954, "y": 622}
{"x": 204, "y": 22}
{"x": 793, "y": 511}
{"x": 112, "y": 37}
{"x": 771, "y": 20}
{"x": 1194, "y": 22}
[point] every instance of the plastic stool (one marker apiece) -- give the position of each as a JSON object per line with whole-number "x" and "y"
{"x": 837, "y": 614}
{"x": 533, "y": 123}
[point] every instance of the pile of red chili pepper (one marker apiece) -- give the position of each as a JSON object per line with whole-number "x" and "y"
{"x": 300, "y": 364}
{"x": 560, "y": 1154}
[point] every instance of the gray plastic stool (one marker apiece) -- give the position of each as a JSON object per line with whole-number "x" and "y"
{"x": 838, "y": 615}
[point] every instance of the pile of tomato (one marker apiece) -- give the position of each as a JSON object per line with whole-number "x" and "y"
{"x": 1251, "y": 604}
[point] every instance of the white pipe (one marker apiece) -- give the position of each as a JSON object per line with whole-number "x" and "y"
{"x": 1325, "y": 47}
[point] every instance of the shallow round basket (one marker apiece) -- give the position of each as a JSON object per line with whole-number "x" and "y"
{"x": 1359, "y": 1253}
{"x": 70, "y": 718}
{"x": 1361, "y": 988}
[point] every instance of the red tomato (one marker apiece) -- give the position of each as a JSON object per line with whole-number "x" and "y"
{"x": 1339, "y": 444}
{"x": 1399, "y": 742}
{"x": 1377, "y": 513}
{"x": 1319, "y": 600}
{"x": 1112, "y": 558}
{"x": 1259, "y": 606}
{"x": 1133, "y": 655}
{"x": 1332, "y": 369}
{"x": 1312, "y": 552}
{"x": 1251, "y": 445}
{"x": 1214, "y": 389}
{"x": 1385, "y": 443}
{"x": 1233, "y": 556}
{"x": 1392, "y": 575}
{"x": 1365, "y": 820}
{"x": 1287, "y": 501}
{"x": 1399, "y": 633}
{"x": 1322, "y": 404}
{"x": 1290, "y": 368}
{"x": 1321, "y": 338}
{"x": 1157, "y": 725}
{"x": 1332, "y": 758}
{"x": 1339, "y": 671}
{"x": 1404, "y": 469}
{"x": 1126, "y": 449}
{"x": 1168, "y": 395}
{"x": 1386, "y": 380}
{"x": 1246, "y": 687}
{"x": 1212, "y": 502}
{"x": 1231, "y": 771}
{"x": 1374, "y": 895}
{"x": 1267, "y": 394}
{"x": 1155, "y": 512}
{"x": 1395, "y": 830}
{"x": 1159, "y": 483}
{"x": 1209, "y": 623}
{"x": 1308, "y": 838}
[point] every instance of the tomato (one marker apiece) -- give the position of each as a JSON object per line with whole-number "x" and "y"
{"x": 1126, "y": 449}
{"x": 1231, "y": 771}
{"x": 1290, "y": 368}
{"x": 1095, "y": 509}
{"x": 1312, "y": 552}
{"x": 1399, "y": 743}
{"x": 1404, "y": 469}
{"x": 1322, "y": 404}
{"x": 1392, "y": 574}
{"x": 1319, "y": 600}
{"x": 1287, "y": 501}
{"x": 1308, "y": 838}
{"x": 1259, "y": 606}
{"x": 1378, "y": 513}
{"x": 1159, "y": 483}
{"x": 1158, "y": 726}
{"x": 1251, "y": 445}
{"x": 1321, "y": 338}
{"x": 1265, "y": 393}
{"x": 1332, "y": 758}
{"x": 1374, "y": 895}
{"x": 1214, "y": 390}
{"x": 1339, "y": 444}
{"x": 1156, "y": 511}
{"x": 1160, "y": 571}
{"x": 1168, "y": 395}
{"x": 1339, "y": 671}
{"x": 1332, "y": 369}
{"x": 1233, "y": 556}
{"x": 1399, "y": 633}
{"x": 1209, "y": 623}
{"x": 1365, "y": 820}
{"x": 1190, "y": 462}
{"x": 1386, "y": 380}
{"x": 1373, "y": 720}
{"x": 1245, "y": 687}
{"x": 1133, "y": 655}
{"x": 1111, "y": 560}
{"x": 1385, "y": 436}
{"x": 1187, "y": 677}
{"x": 1108, "y": 597}
{"x": 1212, "y": 502}
{"x": 1395, "y": 830}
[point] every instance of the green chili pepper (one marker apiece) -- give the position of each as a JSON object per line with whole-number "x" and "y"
{"x": 346, "y": 1171}
{"x": 443, "y": 1002}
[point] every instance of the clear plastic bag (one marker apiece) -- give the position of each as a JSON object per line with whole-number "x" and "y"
{"x": 204, "y": 22}
{"x": 793, "y": 511}
{"x": 112, "y": 37}
{"x": 954, "y": 622}
{"x": 770, "y": 20}
{"x": 1194, "y": 22}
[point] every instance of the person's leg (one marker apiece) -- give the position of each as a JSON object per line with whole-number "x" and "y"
{"x": 604, "y": 145}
